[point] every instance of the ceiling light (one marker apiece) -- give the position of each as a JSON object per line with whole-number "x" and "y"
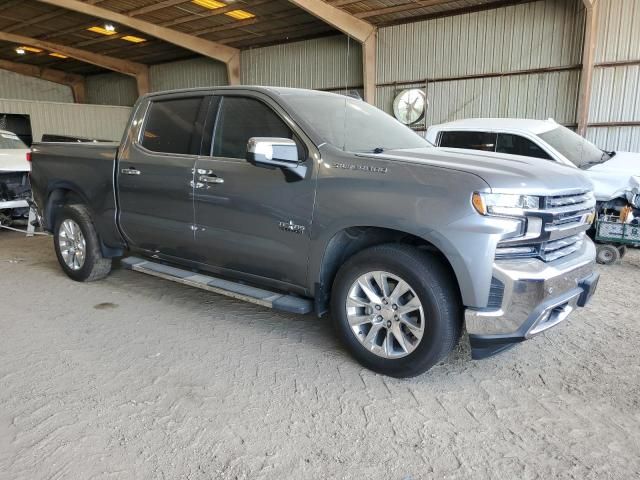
{"x": 133, "y": 39}
{"x": 102, "y": 30}
{"x": 20, "y": 51}
{"x": 240, "y": 14}
{"x": 210, "y": 4}
{"x": 57, "y": 55}
{"x": 31, "y": 49}
{"x": 109, "y": 28}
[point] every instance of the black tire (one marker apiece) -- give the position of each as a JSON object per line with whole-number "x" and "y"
{"x": 437, "y": 290}
{"x": 95, "y": 266}
{"x": 623, "y": 251}
{"x": 607, "y": 254}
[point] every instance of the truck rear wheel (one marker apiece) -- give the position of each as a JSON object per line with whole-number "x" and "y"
{"x": 77, "y": 245}
{"x": 397, "y": 309}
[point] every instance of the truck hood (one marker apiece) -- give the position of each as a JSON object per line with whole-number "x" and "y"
{"x": 14, "y": 160}
{"x": 503, "y": 173}
{"x": 616, "y": 177}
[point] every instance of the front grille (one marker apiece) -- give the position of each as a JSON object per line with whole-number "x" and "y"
{"x": 550, "y": 251}
{"x": 565, "y": 219}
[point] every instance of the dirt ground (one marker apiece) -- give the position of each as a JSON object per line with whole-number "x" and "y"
{"x": 135, "y": 377}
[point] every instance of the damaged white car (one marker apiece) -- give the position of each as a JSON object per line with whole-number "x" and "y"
{"x": 15, "y": 190}
{"x": 615, "y": 175}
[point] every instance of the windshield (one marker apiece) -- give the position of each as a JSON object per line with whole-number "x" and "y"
{"x": 578, "y": 150}
{"x": 353, "y": 125}
{"x": 9, "y": 141}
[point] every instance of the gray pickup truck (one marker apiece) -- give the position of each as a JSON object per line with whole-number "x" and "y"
{"x": 307, "y": 201}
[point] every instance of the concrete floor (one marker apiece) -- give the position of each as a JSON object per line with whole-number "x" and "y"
{"x": 135, "y": 377}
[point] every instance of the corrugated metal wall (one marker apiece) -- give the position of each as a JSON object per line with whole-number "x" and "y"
{"x": 197, "y": 72}
{"x": 616, "y": 94}
{"x": 13, "y": 85}
{"x": 111, "y": 89}
{"x": 322, "y": 63}
{"x": 90, "y": 121}
{"x": 546, "y": 34}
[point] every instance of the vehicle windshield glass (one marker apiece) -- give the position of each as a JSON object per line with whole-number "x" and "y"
{"x": 578, "y": 150}
{"x": 9, "y": 141}
{"x": 353, "y": 125}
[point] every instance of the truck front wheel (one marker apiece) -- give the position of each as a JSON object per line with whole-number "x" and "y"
{"x": 397, "y": 309}
{"x": 77, "y": 245}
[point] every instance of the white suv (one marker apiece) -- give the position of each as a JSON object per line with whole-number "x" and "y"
{"x": 613, "y": 174}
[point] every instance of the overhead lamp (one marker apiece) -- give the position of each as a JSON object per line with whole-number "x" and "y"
{"x": 30, "y": 49}
{"x": 210, "y": 4}
{"x": 57, "y": 55}
{"x": 240, "y": 14}
{"x": 20, "y": 51}
{"x": 133, "y": 39}
{"x": 109, "y": 28}
{"x": 103, "y": 30}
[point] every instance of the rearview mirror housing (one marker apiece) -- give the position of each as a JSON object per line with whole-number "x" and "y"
{"x": 279, "y": 152}
{"x": 273, "y": 152}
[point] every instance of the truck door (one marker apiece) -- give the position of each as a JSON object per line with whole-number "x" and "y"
{"x": 155, "y": 175}
{"x": 250, "y": 219}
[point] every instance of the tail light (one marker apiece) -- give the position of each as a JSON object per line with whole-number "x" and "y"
{"x": 29, "y": 157}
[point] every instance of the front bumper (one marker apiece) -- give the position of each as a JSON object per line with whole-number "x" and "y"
{"x": 529, "y": 297}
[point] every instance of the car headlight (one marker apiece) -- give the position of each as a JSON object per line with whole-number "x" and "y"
{"x": 504, "y": 204}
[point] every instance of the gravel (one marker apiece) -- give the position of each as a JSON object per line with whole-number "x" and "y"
{"x": 135, "y": 377}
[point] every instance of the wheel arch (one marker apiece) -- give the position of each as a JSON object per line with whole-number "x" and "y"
{"x": 349, "y": 241}
{"x": 65, "y": 193}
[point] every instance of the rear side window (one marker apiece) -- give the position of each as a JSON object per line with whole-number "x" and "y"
{"x": 9, "y": 141}
{"x": 471, "y": 140}
{"x": 517, "y": 145}
{"x": 172, "y": 126}
{"x": 239, "y": 119}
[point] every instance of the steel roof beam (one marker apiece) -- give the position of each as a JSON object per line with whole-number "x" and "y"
{"x": 137, "y": 70}
{"x": 217, "y": 51}
{"x": 75, "y": 82}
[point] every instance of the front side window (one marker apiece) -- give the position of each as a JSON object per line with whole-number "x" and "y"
{"x": 517, "y": 145}
{"x": 241, "y": 118}
{"x": 172, "y": 126}
{"x": 484, "y": 141}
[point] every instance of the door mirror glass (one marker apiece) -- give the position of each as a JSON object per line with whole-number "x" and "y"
{"x": 271, "y": 151}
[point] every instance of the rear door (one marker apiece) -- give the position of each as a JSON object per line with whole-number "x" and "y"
{"x": 155, "y": 176}
{"x": 252, "y": 221}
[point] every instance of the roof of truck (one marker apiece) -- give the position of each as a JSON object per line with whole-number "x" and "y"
{"x": 254, "y": 88}
{"x": 500, "y": 124}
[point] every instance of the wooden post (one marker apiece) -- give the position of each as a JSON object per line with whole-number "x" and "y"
{"x": 588, "y": 61}
{"x": 369, "y": 57}
{"x": 364, "y": 32}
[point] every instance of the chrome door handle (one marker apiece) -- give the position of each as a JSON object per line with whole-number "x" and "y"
{"x": 208, "y": 179}
{"x": 130, "y": 171}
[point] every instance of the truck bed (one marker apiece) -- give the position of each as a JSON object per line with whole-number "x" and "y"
{"x": 82, "y": 169}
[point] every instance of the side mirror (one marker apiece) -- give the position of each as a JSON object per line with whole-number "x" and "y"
{"x": 279, "y": 152}
{"x": 271, "y": 152}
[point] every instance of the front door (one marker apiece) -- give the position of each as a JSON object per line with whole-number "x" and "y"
{"x": 155, "y": 177}
{"x": 250, "y": 219}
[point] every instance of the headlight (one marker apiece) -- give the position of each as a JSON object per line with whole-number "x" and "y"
{"x": 504, "y": 204}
